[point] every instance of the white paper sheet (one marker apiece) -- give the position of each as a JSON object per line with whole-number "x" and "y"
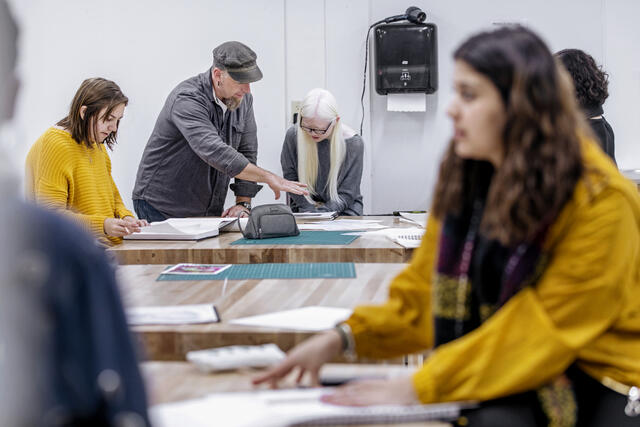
{"x": 407, "y": 102}
{"x": 343, "y": 225}
{"x": 286, "y": 407}
{"x": 416, "y": 218}
{"x": 314, "y": 318}
{"x": 172, "y": 314}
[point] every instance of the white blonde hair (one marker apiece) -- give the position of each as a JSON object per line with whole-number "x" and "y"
{"x": 320, "y": 104}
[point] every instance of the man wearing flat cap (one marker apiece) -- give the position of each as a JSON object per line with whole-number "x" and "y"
{"x": 204, "y": 136}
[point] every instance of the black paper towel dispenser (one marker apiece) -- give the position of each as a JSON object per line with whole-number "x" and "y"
{"x": 406, "y": 58}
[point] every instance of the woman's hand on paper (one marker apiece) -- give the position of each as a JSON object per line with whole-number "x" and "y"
{"x": 117, "y": 227}
{"x": 135, "y": 223}
{"x": 309, "y": 356}
{"x": 396, "y": 391}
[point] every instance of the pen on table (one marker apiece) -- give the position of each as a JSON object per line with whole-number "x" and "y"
{"x": 224, "y": 286}
{"x": 215, "y": 311}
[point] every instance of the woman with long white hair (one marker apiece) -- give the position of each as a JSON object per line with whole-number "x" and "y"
{"x": 326, "y": 155}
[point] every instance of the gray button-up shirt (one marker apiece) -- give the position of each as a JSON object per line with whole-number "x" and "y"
{"x": 194, "y": 150}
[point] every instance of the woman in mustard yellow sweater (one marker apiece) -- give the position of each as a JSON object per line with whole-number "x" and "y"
{"x": 68, "y": 167}
{"x": 527, "y": 282}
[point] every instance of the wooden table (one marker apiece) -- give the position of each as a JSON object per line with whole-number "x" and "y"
{"x": 176, "y": 381}
{"x": 241, "y": 298}
{"x": 218, "y": 250}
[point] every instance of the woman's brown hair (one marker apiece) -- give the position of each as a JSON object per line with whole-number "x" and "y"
{"x": 542, "y": 159}
{"x": 96, "y": 94}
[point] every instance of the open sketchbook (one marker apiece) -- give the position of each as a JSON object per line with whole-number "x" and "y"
{"x": 181, "y": 229}
{"x": 298, "y": 407}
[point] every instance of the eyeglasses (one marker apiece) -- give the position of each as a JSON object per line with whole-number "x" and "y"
{"x": 315, "y": 131}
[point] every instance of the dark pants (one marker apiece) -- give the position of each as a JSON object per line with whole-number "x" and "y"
{"x": 145, "y": 211}
{"x": 597, "y": 406}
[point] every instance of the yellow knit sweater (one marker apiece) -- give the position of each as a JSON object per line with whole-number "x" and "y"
{"x": 585, "y": 308}
{"x": 71, "y": 177}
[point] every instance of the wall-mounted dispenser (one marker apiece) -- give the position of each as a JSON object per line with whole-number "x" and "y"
{"x": 406, "y": 58}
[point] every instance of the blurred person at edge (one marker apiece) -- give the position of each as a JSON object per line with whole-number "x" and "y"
{"x": 526, "y": 284}
{"x": 66, "y": 357}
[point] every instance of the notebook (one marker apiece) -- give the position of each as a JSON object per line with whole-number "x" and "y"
{"x": 297, "y": 407}
{"x": 410, "y": 238}
{"x": 181, "y": 229}
{"x": 407, "y": 237}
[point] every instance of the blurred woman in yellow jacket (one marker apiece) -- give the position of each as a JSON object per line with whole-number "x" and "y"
{"x": 527, "y": 282}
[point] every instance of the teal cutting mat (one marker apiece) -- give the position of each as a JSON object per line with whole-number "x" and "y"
{"x": 314, "y": 270}
{"x": 306, "y": 237}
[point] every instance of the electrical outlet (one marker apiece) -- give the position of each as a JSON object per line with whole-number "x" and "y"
{"x": 295, "y": 110}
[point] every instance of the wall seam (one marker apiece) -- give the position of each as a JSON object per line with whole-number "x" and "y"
{"x": 285, "y": 74}
{"x": 326, "y": 53}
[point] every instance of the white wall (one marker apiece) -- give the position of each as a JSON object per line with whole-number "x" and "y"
{"x": 621, "y": 45}
{"x": 149, "y": 46}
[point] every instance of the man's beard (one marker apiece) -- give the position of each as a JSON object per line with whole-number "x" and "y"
{"x": 232, "y": 103}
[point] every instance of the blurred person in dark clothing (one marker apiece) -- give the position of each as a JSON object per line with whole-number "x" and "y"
{"x": 591, "y": 85}
{"x": 66, "y": 357}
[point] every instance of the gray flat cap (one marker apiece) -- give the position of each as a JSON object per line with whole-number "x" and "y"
{"x": 238, "y": 60}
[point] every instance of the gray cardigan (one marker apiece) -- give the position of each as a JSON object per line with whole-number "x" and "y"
{"x": 194, "y": 150}
{"x": 349, "y": 176}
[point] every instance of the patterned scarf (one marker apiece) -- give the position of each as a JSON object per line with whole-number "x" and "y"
{"x": 476, "y": 275}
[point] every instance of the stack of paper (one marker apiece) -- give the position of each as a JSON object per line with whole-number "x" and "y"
{"x": 172, "y": 314}
{"x": 181, "y": 229}
{"x": 316, "y": 215}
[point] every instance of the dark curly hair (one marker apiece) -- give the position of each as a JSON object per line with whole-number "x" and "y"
{"x": 590, "y": 81}
{"x": 542, "y": 158}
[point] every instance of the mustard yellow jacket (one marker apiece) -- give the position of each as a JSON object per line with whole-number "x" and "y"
{"x": 585, "y": 308}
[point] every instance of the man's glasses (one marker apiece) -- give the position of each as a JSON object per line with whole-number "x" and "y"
{"x": 314, "y": 131}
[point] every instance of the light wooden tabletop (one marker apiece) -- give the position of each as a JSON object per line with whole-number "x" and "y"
{"x": 218, "y": 250}
{"x": 176, "y": 381}
{"x": 241, "y": 298}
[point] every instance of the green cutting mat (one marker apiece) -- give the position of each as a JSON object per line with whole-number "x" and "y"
{"x": 325, "y": 270}
{"x": 306, "y": 237}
